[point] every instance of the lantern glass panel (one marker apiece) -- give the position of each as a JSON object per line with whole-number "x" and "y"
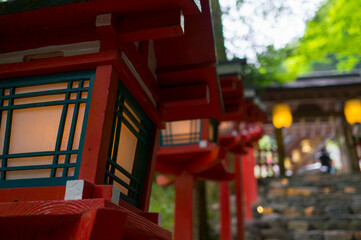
{"x": 42, "y": 129}
{"x": 181, "y": 132}
{"x": 129, "y": 147}
{"x": 212, "y": 130}
{"x": 126, "y": 153}
{"x": 226, "y": 127}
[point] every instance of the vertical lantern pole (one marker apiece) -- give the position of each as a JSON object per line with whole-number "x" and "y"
{"x": 281, "y": 117}
{"x": 247, "y": 185}
{"x": 281, "y": 151}
{"x": 350, "y": 146}
{"x": 225, "y": 211}
{"x": 183, "y": 225}
{"x": 224, "y": 194}
{"x": 239, "y": 184}
{"x": 254, "y": 185}
{"x": 352, "y": 110}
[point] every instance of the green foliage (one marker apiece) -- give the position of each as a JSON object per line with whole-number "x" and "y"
{"x": 162, "y": 201}
{"x": 271, "y": 67}
{"x": 331, "y": 40}
{"x": 213, "y": 210}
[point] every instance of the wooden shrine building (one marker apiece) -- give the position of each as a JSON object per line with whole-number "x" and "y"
{"x": 317, "y": 105}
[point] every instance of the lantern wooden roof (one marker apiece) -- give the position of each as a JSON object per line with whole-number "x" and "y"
{"x": 21, "y": 16}
{"x": 240, "y": 105}
{"x": 208, "y": 163}
{"x": 232, "y": 89}
{"x": 184, "y": 83}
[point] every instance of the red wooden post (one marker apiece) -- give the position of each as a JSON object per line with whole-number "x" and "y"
{"x": 239, "y": 196}
{"x": 254, "y": 185}
{"x": 183, "y": 224}
{"x": 247, "y": 187}
{"x": 225, "y": 211}
{"x": 97, "y": 138}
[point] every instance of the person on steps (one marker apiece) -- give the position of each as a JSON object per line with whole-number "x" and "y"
{"x": 326, "y": 162}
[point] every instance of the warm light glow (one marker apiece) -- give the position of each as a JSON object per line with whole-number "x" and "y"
{"x": 125, "y": 158}
{"x": 288, "y": 164}
{"x": 181, "y": 127}
{"x": 257, "y": 171}
{"x": 260, "y": 209}
{"x": 353, "y": 111}
{"x": 211, "y": 133}
{"x": 35, "y": 129}
{"x": 281, "y": 115}
{"x": 306, "y": 146}
{"x": 296, "y": 155}
{"x": 226, "y": 127}
{"x": 181, "y": 132}
{"x": 284, "y": 181}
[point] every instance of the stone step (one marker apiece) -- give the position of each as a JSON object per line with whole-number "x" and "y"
{"x": 310, "y": 223}
{"x": 317, "y": 207}
{"x": 326, "y": 235}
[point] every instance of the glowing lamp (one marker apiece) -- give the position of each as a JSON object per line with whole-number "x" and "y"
{"x": 196, "y": 131}
{"x": 282, "y": 116}
{"x": 260, "y": 209}
{"x": 43, "y": 122}
{"x": 228, "y": 127}
{"x": 353, "y": 111}
{"x": 296, "y": 155}
{"x": 306, "y": 146}
{"x": 288, "y": 164}
{"x": 43, "y": 129}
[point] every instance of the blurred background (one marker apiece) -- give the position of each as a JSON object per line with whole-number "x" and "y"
{"x": 292, "y": 48}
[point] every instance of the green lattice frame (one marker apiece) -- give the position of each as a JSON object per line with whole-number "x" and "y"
{"x": 69, "y": 77}
{"x": 195, "y": 136}
{"x": 137, "y": 176}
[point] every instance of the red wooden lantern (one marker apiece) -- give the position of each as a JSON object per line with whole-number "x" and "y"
{"x": 237, "y": 132}
{"x": 84, "y": 87}
{"x": 189, "y": 150}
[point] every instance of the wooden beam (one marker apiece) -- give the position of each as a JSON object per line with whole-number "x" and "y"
{"x": 53, "y": 65}
{"x": 98, "y": 131}
{"x": 106, "y": 25}
{"x": 186, "y": 95}
{"x": 32, "y": 194}
{"x": 165, "y": 180}
{"x": 216, "y": 171}
{"x": 169, "y": 167}
{"x": 149, "y": 177}
{"x": 204, "y": 162}
{"x": 154, "y": 25}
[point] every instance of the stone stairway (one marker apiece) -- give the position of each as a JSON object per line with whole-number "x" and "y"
{"x": 314, "y": 207}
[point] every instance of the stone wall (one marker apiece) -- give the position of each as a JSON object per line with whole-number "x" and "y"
{"x": 317, "y": 207}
